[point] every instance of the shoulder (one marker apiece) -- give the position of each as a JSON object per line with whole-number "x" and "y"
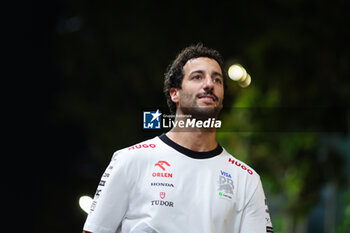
{"x": 245, "y": 178}
{"x": 238, "y": 166}
{"x": 138, "y": 151}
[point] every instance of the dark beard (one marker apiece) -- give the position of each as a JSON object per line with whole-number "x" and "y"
{"x": 201, "y": 113}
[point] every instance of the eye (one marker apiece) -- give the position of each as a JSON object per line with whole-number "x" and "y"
{"x": 218, "y": 80}
{"x": 197, "y": 77}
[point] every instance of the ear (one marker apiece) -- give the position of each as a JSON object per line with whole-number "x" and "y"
{"x": 174, "y": 94}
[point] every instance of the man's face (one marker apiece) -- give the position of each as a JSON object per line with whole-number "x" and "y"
{"x": 202, "y": 89}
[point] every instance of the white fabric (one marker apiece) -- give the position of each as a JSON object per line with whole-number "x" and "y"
{"x": 153, "y": 188}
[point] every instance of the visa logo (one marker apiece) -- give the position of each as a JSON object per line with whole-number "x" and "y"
{"x": 225, "y": 174}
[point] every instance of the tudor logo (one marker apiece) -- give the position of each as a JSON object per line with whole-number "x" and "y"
{"x": 162, "y": 203}
{"x": 161, "y": 163}
{"x": 162, "y": 195}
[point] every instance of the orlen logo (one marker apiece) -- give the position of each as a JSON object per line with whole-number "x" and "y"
{"x": 139, "y": 146}
{"x": 162, "y": 174}
{"x": 161, "y": 163}
{"x": 240, "y": 165}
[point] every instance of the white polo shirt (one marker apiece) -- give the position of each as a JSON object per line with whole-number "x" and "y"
{"x": 158, "y": 186}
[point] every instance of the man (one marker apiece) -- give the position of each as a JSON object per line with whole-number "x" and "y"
{"x": 182, "y": 181}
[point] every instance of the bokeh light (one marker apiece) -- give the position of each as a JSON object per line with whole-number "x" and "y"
{"x": 238, "y": 73}
{"x": 85, "y": 203}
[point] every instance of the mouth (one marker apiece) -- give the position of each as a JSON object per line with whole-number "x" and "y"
{"x": 208, "y": 98}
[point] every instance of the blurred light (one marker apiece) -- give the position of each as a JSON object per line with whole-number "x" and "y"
{"x": 246, "y": 82}
{"x": 85, "y": 203}
{"x": 236, "y": 72}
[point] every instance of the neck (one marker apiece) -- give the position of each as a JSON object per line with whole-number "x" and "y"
{"x": 196, "y": 139}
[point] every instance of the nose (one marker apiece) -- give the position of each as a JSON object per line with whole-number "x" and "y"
{"x": 208, "y": 83}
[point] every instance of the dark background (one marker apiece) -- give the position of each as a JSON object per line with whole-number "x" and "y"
{"x": 87, "y": 71}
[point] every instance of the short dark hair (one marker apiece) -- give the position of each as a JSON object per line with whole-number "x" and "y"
{"x": 175, "y": 74}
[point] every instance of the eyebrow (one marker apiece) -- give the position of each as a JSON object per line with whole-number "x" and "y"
{"x": 202, "y": 72}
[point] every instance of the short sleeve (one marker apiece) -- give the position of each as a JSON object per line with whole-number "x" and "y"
{"x": 110, "y": 203}
{"x": 256, "y": 218}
